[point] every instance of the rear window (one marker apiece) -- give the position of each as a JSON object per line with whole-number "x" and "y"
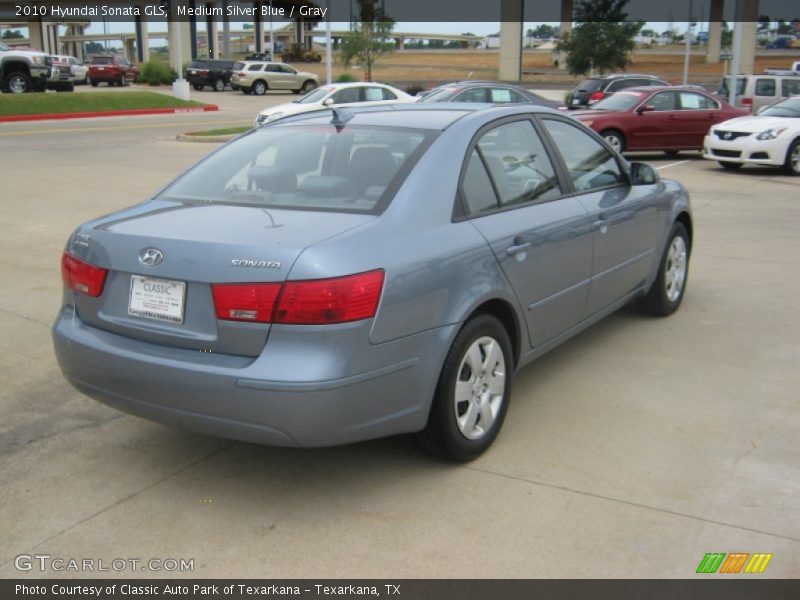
{"x": 238, "y": 66}
{"x": 305, "y": 167}
{"x": 723, "y": 87}
{"x": 102, "y": 60}
{"x": 590, "y": 85}
{"x": 619, "y": 102}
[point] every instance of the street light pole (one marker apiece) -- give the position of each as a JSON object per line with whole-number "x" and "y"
{"x": 688, "y": 46}
{"x": 328, "y": 49}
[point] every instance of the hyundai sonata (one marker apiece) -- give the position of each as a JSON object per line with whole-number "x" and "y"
{"x": 345, "y": 275}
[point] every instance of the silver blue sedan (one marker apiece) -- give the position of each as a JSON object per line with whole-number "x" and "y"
{"x": 340, "y": 276}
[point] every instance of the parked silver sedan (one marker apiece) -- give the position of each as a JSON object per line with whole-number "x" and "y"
{"x": 345, "y": 275}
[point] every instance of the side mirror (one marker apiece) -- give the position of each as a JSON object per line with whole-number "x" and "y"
{"x": 643, "y": 174}
{"x": 645, "y": 108}
{"x": 327, "y": 102}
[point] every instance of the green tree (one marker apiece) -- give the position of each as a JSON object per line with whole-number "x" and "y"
{"x": 94, "y": 48}
{"x": 369, "y": 38}
{"x": 12, "y": 34}
{"x": 602, "y": 38}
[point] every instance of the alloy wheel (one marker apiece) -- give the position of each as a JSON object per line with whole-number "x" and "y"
{"x": 17, "y": 84}
{"x": 480, "y": 388}
{"x": 675, "y": 270}
{"x": 794, "y": 159}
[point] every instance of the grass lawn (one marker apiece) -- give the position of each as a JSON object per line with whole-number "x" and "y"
{"x": 53, "y": 102}
{"x": 225, "y": 131}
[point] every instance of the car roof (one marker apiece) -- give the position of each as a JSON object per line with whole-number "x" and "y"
{"x": 625, "y": 76}
{"x": 435, "y": 116}
{"x": 349, "y": 84}
{"x": 665, "y": 88}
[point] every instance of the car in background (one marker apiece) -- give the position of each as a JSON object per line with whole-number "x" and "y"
{"x": 322, "y": 281}
{"x": 111, "y": 69}
{"x": 487, "y": 92}
{"x": 756, "y": 91}
{"x": 671, "y": 119}
{"x": 771, "y": 137}
{"x": 62, "y": 78}
{"x": 592, "y": 90}
{"x": 258, "y": 77}
{"x": 79, "y": 70}
{"x": 340, "y": 95}
{"x": 214, "y": 73}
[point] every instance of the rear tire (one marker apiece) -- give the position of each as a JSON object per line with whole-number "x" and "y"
{"x": 792, "y": 164}
{"x": 219, "y": 84}
{"x": 729, "y": 165}
{"x": 473, "y": 392}
{"x": 307, "y": 86}
{"x": 615, "y": 139}
{"x": 259, "y": 88}
{"x": 122, "y": 81}
{"x": 668, "y": 289}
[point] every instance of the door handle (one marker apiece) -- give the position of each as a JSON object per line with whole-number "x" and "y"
{"x": 671, "y": 117}
{"x": 519, "y": 245}
{"x": 601, "y": 224}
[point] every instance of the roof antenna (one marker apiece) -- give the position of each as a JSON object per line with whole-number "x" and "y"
{"x": 340, "y": 117}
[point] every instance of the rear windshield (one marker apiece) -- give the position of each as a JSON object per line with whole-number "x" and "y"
{"x": 619, "y": 101}
{"x": 590, "y": 85}
{"x": 102, "y": 60}
{"x": 198, "y": 64}
{"x": 304, "y": 167}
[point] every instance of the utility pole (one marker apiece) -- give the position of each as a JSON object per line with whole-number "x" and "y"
{"x": 688, "y": 47}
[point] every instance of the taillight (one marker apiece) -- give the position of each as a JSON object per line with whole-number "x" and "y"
{"x": 245, "y": 301}
{"x": 747, "y": 103}
{"x": 203, "y": 71}
{"x": 312, "y": 302}
{"x": 338, "y": 300}
{"x": 82, "y": 277}
{"x": 242, "y": 74}
{"x": 596, "y": 96}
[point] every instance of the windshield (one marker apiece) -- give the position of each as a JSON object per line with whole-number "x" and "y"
{"x": 306, "y": 167}
{"x": 787, "y": 108}
{"x": 102, "y": 60}
{"x": 442, "y": 95}
{"x": 315, "y": 96}
{"x": 620, "y": 101}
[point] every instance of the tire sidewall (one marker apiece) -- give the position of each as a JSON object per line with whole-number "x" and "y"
{"x": 456, "y": 445}
{"x": 788, "y": 164}
{"x": 669, "y": 306}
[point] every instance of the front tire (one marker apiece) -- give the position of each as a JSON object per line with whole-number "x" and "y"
{"x": 473, "y": 392}
{"x": 667, "y": 292}
{"x": 307, "y": 86}
{"x": 219, "y": 84}
{"x": 198, "y": 86}
{"x": 615, "y": 139}
{"x": 792, "y": 164}
{"x": 19, "y": 82}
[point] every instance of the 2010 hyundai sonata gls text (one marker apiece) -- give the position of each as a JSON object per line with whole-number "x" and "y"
{"x": 341, "y": 276}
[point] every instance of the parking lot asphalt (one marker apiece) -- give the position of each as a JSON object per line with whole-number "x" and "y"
{"x": 630, "y": 451}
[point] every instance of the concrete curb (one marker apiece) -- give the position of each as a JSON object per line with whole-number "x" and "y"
{"x": 182, "y": 137}
{"x": 110, "y": 113}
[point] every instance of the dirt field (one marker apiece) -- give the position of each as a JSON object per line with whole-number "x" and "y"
{"x": 431, "y": 67}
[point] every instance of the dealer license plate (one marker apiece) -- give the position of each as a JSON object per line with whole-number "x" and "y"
{"x": 159, "y": 299}
{"x": 576, "y": 101}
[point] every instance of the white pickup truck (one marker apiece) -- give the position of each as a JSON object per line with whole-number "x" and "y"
{"x": 23, "y": 70}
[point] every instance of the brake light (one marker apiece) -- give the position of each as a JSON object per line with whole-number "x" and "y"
{"x": 596, "y": 96}
{"x": 337, "y": 300}
{"x": 747, "y": 103}
{"x": 203, "y": 71}
{"x": 82, "y": 277}
{"x": 242, "y": 74}
{"x": 311, "y": 302}
{"x": 245, "y": 301}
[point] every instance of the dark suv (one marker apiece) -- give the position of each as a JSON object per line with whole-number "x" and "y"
{"x": 215, "y": 73}
{"x": 594, "y": 89}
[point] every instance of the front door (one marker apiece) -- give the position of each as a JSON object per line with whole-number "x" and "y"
{"x": 654, "y": 127}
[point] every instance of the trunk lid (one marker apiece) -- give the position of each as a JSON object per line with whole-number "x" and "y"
{"x": 199, "y": 245}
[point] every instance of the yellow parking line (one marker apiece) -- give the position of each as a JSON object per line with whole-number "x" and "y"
{"x": 119, "y": 127}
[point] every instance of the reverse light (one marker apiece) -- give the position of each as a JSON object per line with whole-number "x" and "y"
{"x": 770, "y": 134}
{"x": 82, "y": 277}
{"x": 245, "y": 301}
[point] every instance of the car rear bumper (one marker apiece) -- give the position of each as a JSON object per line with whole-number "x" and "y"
{"x": 299, "y": 392}
{"x": 745, "y": 150}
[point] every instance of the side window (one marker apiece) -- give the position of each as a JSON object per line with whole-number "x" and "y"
{"x": 518, "y": 164}
{"x": 692, "y": 101}
{"x": 790, "y": 87}
{"x": 765, "y": 87}
{"x": 500, "y": 96}
{"x": 285, "y": 69}
{"x": 615, "y": 86}
{"x": 346, "y": 96}
{"x": 387, "y": 95}
{"x": 373, "y": 94}
{"x": 591, "y": 165}
{"x": 254, "y": 68}
{"x": 476, "y": 189}
{"x": 663, "y": 101}
{"x": 472, "y": 95}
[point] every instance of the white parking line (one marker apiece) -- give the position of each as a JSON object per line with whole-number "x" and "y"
{"x": 675, "y": 164}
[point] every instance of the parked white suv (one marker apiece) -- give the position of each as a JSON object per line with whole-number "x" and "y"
{"x": 756, "y": 91}
{"x": 257, "y": 77}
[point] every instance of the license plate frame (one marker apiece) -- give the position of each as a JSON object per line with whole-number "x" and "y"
{"x": 157, "y": 299}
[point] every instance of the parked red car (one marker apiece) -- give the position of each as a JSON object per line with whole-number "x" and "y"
{"x": 111, "y": 69}
{"x": 664, "y": 118}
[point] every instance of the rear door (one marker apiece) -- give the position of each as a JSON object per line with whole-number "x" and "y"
{"x": 698, "y": 113}
{"x": 540, "y": 236}
{"x": 624, "y": 219}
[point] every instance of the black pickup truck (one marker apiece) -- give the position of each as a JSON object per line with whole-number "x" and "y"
{"x": 214, "y": 73}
